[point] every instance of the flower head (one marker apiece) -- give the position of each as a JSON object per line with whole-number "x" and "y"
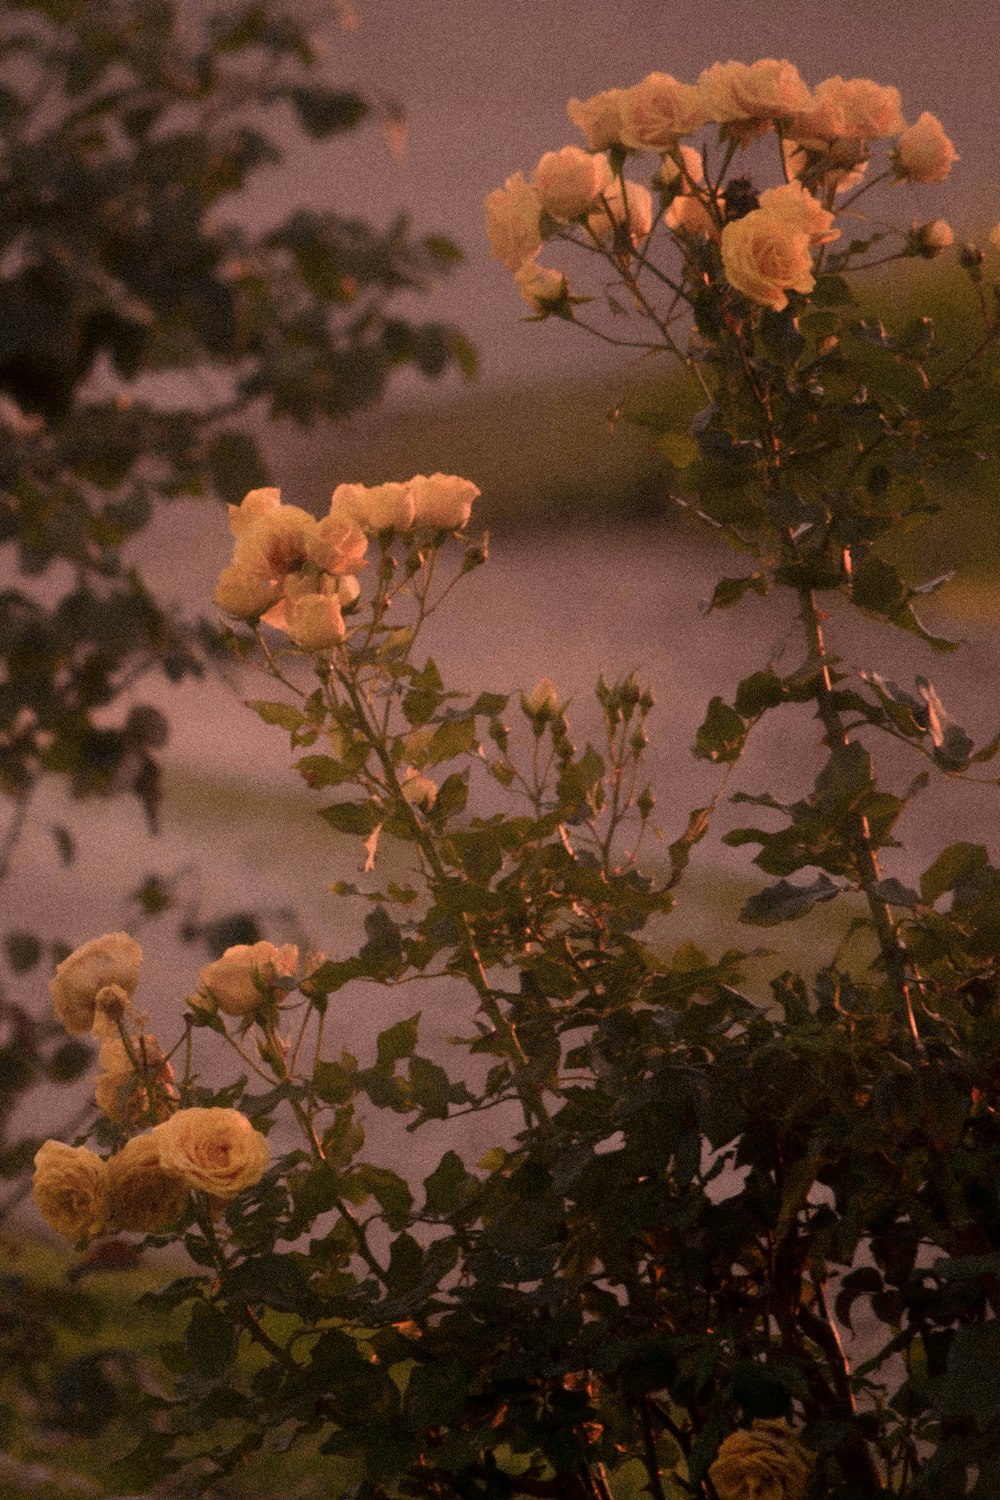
{"x": 247, "y": 976}
{"x": 748, "y": 97}
{"x": 70, "y": 1188}
{"x": 599, "y": 117}
{"x": 658, "y": 110}
{"x": 216, "y": 1151}
{"x": 765, "y": 1463}
{"x": 568, "y": 181}
{"x": 112, "y": 960}
{"x": 513, "y": 222}
{"x": 143, "y": 1198}
{"x": 763, "y": 256}
{"x": 924, "y": 153}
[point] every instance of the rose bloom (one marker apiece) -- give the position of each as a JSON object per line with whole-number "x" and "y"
{"x": 798, "y": 208}
{"x": 690, "y": 169}
{"x": 844, "y": 162}
{"x": 124, "y": 1095}
{"x": 865, "y": 109}
{"x": 763, "y": 256}
{"x": 442, "y": 500}
{"x": 338, "y": 544}
{"x": 931, "y": 238}
{"x": 687, "y": 214}
{"x": 599, "y": 117}
{"x": 244, "y": 978}
{"x": 513, "y": 217}
{"x": 380, "y": 507}
{"x": 541, "y": 287}
{"x": 659, "y": 109}
{"x": 216, "y": 1151}
{"x": 274, "y": 544}
{"x": 419, "y": 790}
{"x": 568, "y": 181}
{"x": 543, "y": 700}
{"x": 637, "y": 204}
{"x": 765, "y": 1463}
{"x": 924, "y": 152}
{"x": 245, "y": 595}
{"x": 70, "y": 1188}
{"x": 142, "y": 1197}
{"x": 752, "y": 94}
{"x": 113, "y": 959}
{"x": 314, "y": 621}
{"x": 253, "y": 507}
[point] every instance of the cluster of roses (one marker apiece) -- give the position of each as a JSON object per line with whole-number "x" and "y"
{"x": 825, "y": 137}
{"x": 143, "y": 1188}
{"x": 300, "y": 574}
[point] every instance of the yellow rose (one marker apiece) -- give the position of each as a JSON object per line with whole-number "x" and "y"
{"x": 380, "y": 507}
{"x": 541, "y": 287}
{"x": 543, "y": 700}
{"x": 338, "y": 544}
{"x": 599, "y": 117}
{"x": 799, "y": 209}
{"x": 687, "y": 214}
{"x": 682, "y": 162}
{"x": 924, "y": 152}
{"x": 245, "y": 595}
{"x": 931, "y": 238}
{"x": 659, "y": 109}
{"x": 216, "y": 1151}
{"x": 254, "y": 506}
{"x": 513, "y": 217}
{"x": 749, "y": 96}
{"x": 635, "y": 206}
{"x": 71, "y": 1190}
{"x": 314, "y": 621}
{"x": 126, "y": 1096}
{"x": 275, "y": 543}
{"x": 246, "y": 975}
{"x": 443, "y": 500}
{"x": 568, "y": 181}
{"x": 861, "y": 107}
{"x": 113, "y": 959}
{"x": 765, "y": 1463}
{"x": 143, "y": 1198}
{"x": 763, "y": 256}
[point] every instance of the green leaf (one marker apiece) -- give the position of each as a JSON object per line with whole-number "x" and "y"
{"x": 211, "y": 1340}
{"x": 450, "y": 1185}
{"x": 722, "y": 735}
{"x": 285, "y": 715}
{"x": 453, "y": 737}
{"x": 324, "y": 112}
{"x": 430, "y": 1087}
{"x": 352, "y": 817}
{"x": 24, "y": 951}
{"x": 971, "y": 1389}
{"x": 334, "y": 1082}
{"x": 877, "y": 587}
{"x": 397, "y": 1042}
{"x": 729, "y": 591}
{"x": 784, "y": 902}
{"x": 392, "y": 1193}
{"x": 235, "y": 465}
{"x": 952, "y": 866}
{"x": 759, "y": 691}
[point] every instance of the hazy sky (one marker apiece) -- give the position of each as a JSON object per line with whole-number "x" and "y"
{"x": 485, "y": 85}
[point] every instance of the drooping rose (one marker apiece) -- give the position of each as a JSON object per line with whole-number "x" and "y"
{"x": 634, "y": 206}
{"x": 513, "y": 218}
{"x": 568, "y": 181}
{"x": 246, "y": 976}
{"x": 752, "y": 95}
{"x": 143, "y": 1198}
{"x": 658, "y": 110}
{"x": 797, "y": 207}
{"x": 599, "y": 117}
{"x": 216, "y": 1151}
{"x": 70, "y": 1188}
{"x": 767, "y": 1462}
{"x": 380, "y": 507}
{"x": 541, "y": 287}
{"x": 130, "y": 1098}
{"x": 867, "y": 110}
{"x": 763, "y": 257}
{"x": 113, "y": 959}
{"x": 443, "y": 500}
{"x": 924, "y": 153}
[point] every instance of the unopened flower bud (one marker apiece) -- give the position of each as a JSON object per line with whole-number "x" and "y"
{"x": 931, "y": 238}
{"x": 543, "y": 700}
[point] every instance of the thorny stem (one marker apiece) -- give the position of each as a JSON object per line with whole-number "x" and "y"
{"x": 893, "y": 951}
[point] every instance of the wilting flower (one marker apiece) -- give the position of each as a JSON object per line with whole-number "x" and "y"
{"x": 216, "y": 1151}
{"x": 70, "y": 1188}
{"x": 111, "y": 960}
{"x": 659, "y": 109}
{"x": 142, "y": 1197}
{"x": 924, "y": 153}
{"x": 246, "y": 976}
{"x": 765, "y": 1463}
{"x": 599, "y": 117}
{"x": 764, "y": 256}
{"x": 513, "y": 220}
{"x": 568, "y": 181}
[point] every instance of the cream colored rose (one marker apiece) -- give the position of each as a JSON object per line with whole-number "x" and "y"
{"x": 765, "y": 1463}
{"x": 543, "y": 700}
{"x": 246, "y": 976}
{"x": 443, "y": 500}
{"x": 252, "y": 508}
{"x": 931, "y": 238}
{"x": 216, "y": 1151}
{"x": 113, "y": 959}
{"x": 71, "y": 1190}
{"x": 143, "y": 1198}
{"x": 419, "y": 790}
{"x": 753, "y": 94}
{"x": 568, "y": 181}
{"x": 380, "y": 507}
{"x": 276, "y": 543}
{"x": 688, "y": 215}
{"x": 338, "y": 545}
{"x": 924, "y": 153}
{"x": 513, "y": 218}
{"x": 541, "y": 287}
{"x": 682, "y": 162}
{"x": 130, "y": 1098}
{"x": 763, "y": 256}
{"x": 599, "y": 117}
{"x": 635, "y": 206}
{"x": 245, "y": 595}
{"x": 314, "y": 621}
{"x": 659, "y": 109}
{"x": 865, "y": 109}
{"x": 798, "y": 208}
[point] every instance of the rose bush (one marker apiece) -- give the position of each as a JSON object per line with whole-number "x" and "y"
{"x": 731, "y": 1239}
